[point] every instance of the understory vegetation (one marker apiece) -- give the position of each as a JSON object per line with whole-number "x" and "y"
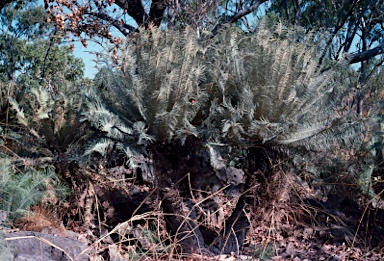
{"x": 191, "y": 146}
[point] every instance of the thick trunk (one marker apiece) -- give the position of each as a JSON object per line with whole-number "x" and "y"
{"x": 232, "y": 237}
{"x": 136, "y": 10}
{"x": 157, "y": 11}
{"x": 181, "y": 220}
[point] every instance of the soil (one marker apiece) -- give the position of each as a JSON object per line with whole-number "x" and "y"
{"x": 115, "y": 213}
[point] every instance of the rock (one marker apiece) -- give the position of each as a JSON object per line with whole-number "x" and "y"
{"x": 27, "y": 245}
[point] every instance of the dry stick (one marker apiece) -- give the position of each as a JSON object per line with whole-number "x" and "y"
{"x": 42, "y": 159}
{"x": 115, "y": 229}
{"x": 184, "y": 217}
{"x": 142, "y": 202}
{"x": 43, "y": 240}
{"x": 97, "y": 207}
{"x": 272, "y": 227}
{"x": 5, "y": 147}
{"x": 234, "y": 234}
{"x": 190, "y": 186}
{"x": 200, "y": 202}
{"x": 361, "y": 219}
{"x": 237, "y": 218}
{"x": 193, "y": 197}
{"x": 126, "y": 223}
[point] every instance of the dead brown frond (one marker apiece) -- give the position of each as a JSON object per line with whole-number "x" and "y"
{"x": 40, "y": 218}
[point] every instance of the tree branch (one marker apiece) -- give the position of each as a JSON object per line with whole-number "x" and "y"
{"x": 365, "y": 55}
{"x": 135, "y": 9}
{"x": 125, "y": 29}
{"x": 351, "y": 33}
{"x": 51, "y": 43}
{"x": 237, "y": 16}
{"x": 157, "y": 11}
{"x": 337, "y": 28}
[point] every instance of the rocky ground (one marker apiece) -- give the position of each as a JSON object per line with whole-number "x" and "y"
{"x": 115, "y": 215}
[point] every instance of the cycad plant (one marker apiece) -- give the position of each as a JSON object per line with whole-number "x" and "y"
{"x": 151, "y": 95}
{"x": 174, "y": 101}
{"x": 265, "y": 88}
{"x": 273, "y": 91}
{"x": 50, "y": 121}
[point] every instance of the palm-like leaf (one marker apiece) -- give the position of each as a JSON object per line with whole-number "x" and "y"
{"x": 275, "y": 90}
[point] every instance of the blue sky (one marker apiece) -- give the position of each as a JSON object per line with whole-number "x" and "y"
{"x": 84, "y": 53}
{"x": 88, "y": 58}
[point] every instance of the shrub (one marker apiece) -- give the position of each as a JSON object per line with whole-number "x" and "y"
{"x": 265, "y": 89}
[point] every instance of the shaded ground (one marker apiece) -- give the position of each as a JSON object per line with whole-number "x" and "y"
{"x": 285, "y": 216}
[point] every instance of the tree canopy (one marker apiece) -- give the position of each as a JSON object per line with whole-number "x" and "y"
{"x": 348, "y": 21}
{"x": 30, "y": 47}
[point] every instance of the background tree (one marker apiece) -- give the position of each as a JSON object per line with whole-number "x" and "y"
{"x": 354, "y": 27}
{"x": 348, "y": 22}
{"x": 344, "y": 20}
{"x": 30, "y": 46}
{"x": 98, "y": 17}
{"x": 40, "y": 81}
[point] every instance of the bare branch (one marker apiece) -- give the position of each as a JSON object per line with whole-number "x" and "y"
{"x": 237, "y": 16}
{"x": 365, "y": 55}
{"x": 125, "y": 29}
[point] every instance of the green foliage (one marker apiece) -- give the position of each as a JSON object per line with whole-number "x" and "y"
{"x": 26, "y": 22}
{"x": 352, "y": 26}
{"x": 19, "y": 191}
{"x": 50, "y": 121}
{"x": 312, "y": 14}
{"x": 29, "y": 48}
{"x": 31, "y": 63}
{"x": 58, "y": 63}
{"x": 264, "y": 89}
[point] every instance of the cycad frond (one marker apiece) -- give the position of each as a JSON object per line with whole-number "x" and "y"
{"x": 277, "y": 91}
{"x": 155, "y": 92}
{"x": 19, "y": 191}
{"x": 53, "y": 121}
